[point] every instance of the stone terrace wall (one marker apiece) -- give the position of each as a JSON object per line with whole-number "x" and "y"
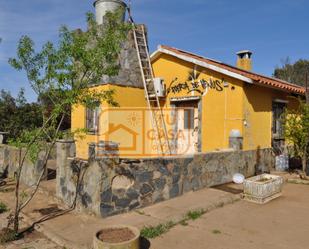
{"x": 9, "y": 159}
{"x": 108, "y": 187}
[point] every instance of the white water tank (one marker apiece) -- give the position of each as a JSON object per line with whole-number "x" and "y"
{"x": 104, "y": 6}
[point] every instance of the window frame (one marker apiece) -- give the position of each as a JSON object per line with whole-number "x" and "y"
{"x": 278, "y": 109}
{"x": 92, "y": 128}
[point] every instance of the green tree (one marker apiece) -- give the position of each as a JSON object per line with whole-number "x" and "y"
{"x": 296, "y": 130}
{"x": 65, "y": 70}
{"x": 46, "y": 101}
{"x": 17, "y": 115}
{"x": 293, "y": 73}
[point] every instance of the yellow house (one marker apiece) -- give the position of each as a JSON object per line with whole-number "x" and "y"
{"x": 207, "y": 106}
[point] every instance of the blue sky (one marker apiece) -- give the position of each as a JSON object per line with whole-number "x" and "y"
{"x": 272, "y": 29}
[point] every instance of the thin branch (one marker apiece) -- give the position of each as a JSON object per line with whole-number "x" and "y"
{"x": 22, "y": 206}
{"x": 29, "y": 144}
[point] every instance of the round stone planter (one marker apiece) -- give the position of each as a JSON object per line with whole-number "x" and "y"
{"x": 129, "y": 244}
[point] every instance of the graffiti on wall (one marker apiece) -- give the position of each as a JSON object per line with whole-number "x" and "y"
{"x": 195, "y": 84}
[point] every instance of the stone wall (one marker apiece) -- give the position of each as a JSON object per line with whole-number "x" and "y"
{"x": 129, "y": 70}
{"x": 9, "y": 161}
{"x": 65, "y": 172}
{"x": 108, "y": 187}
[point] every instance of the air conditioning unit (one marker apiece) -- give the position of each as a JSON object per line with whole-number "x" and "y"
{"x": 159, "y": 87}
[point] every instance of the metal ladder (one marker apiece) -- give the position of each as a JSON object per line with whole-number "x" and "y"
{"x": 153, "y": 102}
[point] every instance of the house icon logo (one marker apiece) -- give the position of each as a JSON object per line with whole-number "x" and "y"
{"x": 126, "y": 137}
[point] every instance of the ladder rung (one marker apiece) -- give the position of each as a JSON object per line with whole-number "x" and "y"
{"x": 150, "y": 92}
{"x": 138, "y": 31}
{"x": 143, "y": 52}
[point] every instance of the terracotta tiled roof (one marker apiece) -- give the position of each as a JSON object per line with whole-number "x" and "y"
{"x": 257, "y": 78}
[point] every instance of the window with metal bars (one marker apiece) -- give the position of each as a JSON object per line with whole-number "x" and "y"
{"x": 92, "y": 120}
{"x": 278, "y": 111}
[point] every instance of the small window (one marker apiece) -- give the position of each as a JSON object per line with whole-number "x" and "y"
{"x": 278, "y": 111}
{"x": 92, "y": 119}
{"x": 189, "y": 119}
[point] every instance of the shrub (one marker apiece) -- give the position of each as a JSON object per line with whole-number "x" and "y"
{"x": 155, "y": 231}
{"x": 7, "y": 235}
{"x": 193, "y": 215}
{"x": 3, "y": 208}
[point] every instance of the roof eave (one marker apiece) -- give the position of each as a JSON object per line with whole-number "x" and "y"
{"x": 162, "y": 50}
{"x": 291, "y": 91}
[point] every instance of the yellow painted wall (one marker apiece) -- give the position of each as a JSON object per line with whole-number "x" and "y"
{"x": 242, "y": 106}
{"x": 124, "y": 96}
{"x": 258, "y": 114}
{"x": 229, "y": 104}
{"x": 258, "y": 117}
{"x": 221, "y": 110}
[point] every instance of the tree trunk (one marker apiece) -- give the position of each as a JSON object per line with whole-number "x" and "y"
{"x": 19, "y": 206}
{"x": 16, "y": 211}
{"x": 304, "y": 162}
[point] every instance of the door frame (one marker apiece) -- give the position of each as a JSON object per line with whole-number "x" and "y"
{"x": 173, "y": 105}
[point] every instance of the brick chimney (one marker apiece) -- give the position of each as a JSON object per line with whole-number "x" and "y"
{"x": 244, "y": 60}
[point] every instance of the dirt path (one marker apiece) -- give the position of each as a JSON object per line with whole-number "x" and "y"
{"x": 33, "y": 241}
{"x": 281, "y": 224}
{"x": 36, "y": 241}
